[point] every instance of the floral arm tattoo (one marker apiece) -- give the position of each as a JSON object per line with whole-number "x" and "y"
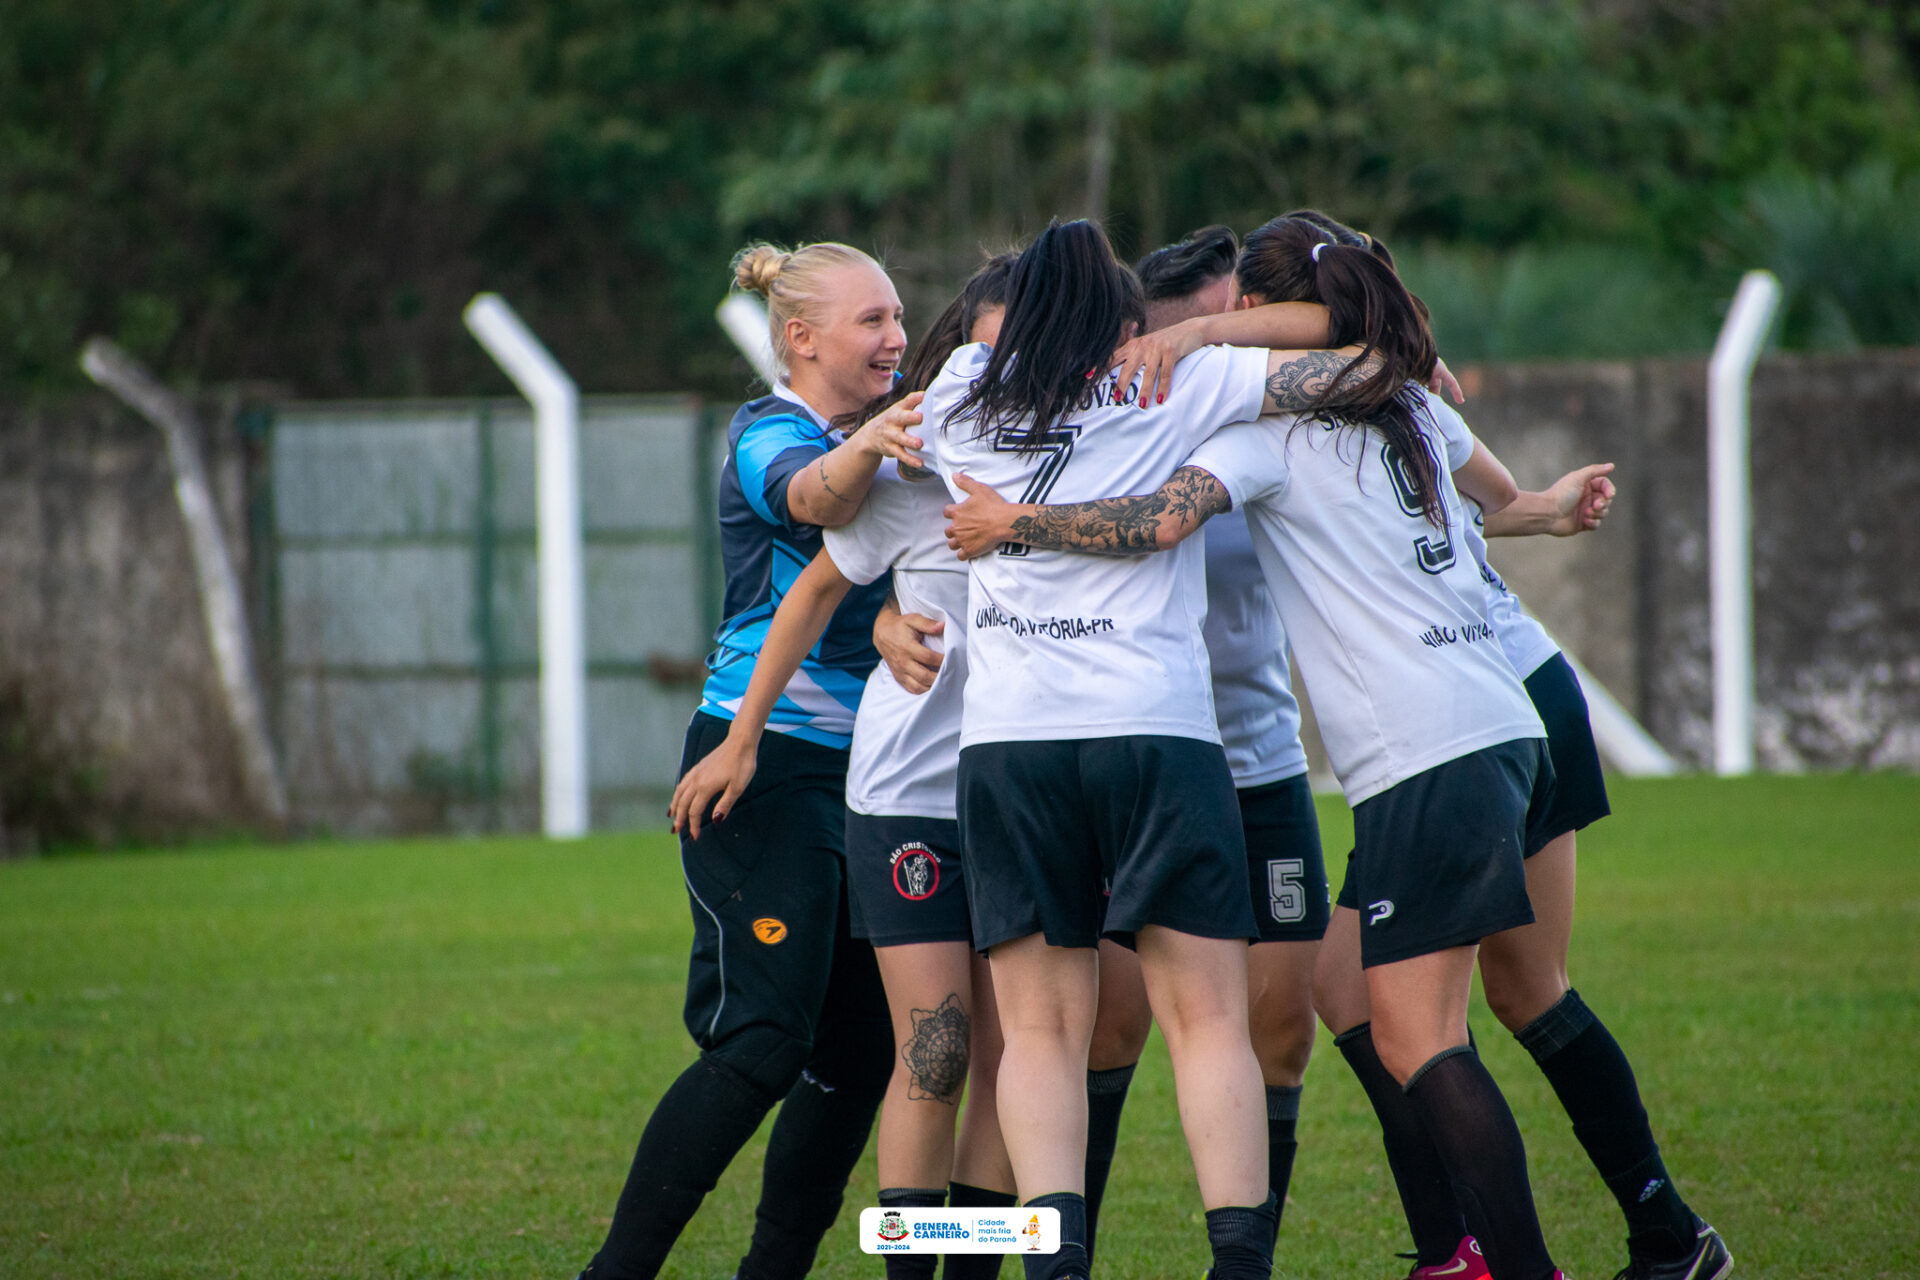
{"x": 1127, "y": 526}
{"x": 1301, "y": 382}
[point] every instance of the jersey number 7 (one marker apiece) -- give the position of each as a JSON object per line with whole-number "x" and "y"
{"x": 1057, "y": 445}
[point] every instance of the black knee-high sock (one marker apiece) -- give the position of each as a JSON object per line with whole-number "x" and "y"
{"x": 1283, "y": 1119}
{"x": 816, "y": 1141}
{"x": 1072, "y": 1259}
{"x": 911, "y": 1266}
{"x": 1419, "y": 1174}
{"x": 701, "y": 1123}
{"x": 1473, "y": 1130}
{"x": 975, "y": 1266}
{"x": 1241, "y": 1238}
{"x": 1106, "y": 1095}
{"x": 1595, "y": 1083}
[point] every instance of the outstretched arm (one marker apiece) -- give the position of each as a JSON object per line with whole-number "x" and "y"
{"x": 1575, "y": 503}
{"x": 723, "y": 773}
{"x": 829, "y": 491}
{"x": 1110, "y": 526}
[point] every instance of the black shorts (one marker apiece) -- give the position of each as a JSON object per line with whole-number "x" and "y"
{"x": 904, "y": 880}
{"x": 1579, "y": 788}
{"x": 1438, "y": 860}
{"x": 1285, "y": 870}
{"x": 1087, "y": 837}
{"x": 772, "y": 962}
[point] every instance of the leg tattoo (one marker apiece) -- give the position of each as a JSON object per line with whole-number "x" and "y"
{"x": 936, "y": 1055}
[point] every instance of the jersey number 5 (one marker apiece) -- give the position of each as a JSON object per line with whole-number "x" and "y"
{"x": 1434, "y": 549}
{"x": 1286, "y": 896}
{"x": 1057, "y": 445}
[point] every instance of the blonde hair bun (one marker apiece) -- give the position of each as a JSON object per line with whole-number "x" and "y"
{"x": 757, "y": 266}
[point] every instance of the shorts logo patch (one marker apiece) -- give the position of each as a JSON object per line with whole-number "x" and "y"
{"x": 916, "y": 872}
{"x": 770, "y": 931}
{"x": 1382, "y": 911}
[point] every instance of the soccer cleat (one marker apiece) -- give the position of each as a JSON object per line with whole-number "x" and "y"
{"x": 1467, "y": 1263}
{"x": 1708, "y": 1261}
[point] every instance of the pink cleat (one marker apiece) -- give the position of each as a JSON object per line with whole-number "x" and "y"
{"x": 1467, "y": 1264}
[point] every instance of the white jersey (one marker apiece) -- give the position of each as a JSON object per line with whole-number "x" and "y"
{"x": 906, "y": 747}
{"x": 1524, "y": 641}
{"x": 1386, "y": 612}
{"x": 1064, "y": 645}
{"x": 1247, "y": 649}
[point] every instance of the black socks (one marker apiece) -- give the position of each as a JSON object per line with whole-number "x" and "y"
{"x": 1283, "y": 1116}
{"x": 701, "y": 1123}
{"x": 1419, "y": 1174}
{"x": 1486, "y": 1162}
{"x": 975, "y": 1266}
{"x": 1595, "y": 1084}
{"x": 1241, "y": 1238}
{"x": 1072, "y": 1260}
{"x": 911, "y": 1266}
{"x": 1106, "y": 1095}
{"x": 816, "y": 1141}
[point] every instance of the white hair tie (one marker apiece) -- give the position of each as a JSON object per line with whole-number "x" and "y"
{"x": 1317, "y": 248}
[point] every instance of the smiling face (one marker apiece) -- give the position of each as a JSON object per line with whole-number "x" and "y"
{"x": 845, "y": 353}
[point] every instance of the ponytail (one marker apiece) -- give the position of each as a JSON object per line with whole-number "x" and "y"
{"x": 1069, "y": 301}
{"x": 1299, "y": 259}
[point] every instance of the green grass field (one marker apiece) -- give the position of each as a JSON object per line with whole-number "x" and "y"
{"x": 433, "y": 1058}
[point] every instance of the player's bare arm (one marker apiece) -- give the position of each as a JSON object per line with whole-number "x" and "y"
{"x": 1279, "y": 326}
{"x": 721, "y": 777}
{"x": 1575, "y": 503}
{"x": 1302, "y": 380}
{"x": 1485, "y": 481}
{"x": 1126, "y": 526}
{"x": 829, "y": 490}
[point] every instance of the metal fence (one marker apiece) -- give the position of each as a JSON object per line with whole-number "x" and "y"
{"x": 399, "y": 584}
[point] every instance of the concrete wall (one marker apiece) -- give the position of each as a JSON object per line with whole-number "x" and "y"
{"x": 100, "y": 627}
{"x": 1836, "y": 467}
{"x": 99, "y": 619}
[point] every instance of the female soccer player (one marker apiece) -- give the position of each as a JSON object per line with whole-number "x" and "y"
{"x": 1260, "y": 730}
{"x": 1361, "y": 535}
{"x": 905, "y": 878}
{"x": 1524, "y": 971}
{"x": 785, "y": 1006}
{"x": 1094, "y": 796}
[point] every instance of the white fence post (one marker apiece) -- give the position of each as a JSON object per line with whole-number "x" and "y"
{"x": 744, "y": 317}
{"x": 564, "y": 809}
{"x": 1730, "y": 517}
{"x": 221, "y": 601}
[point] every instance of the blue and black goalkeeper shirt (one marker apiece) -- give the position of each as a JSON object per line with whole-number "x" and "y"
{"x": 764, "y": 549}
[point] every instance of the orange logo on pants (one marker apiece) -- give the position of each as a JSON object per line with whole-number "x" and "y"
{"x": 769, "y": 930}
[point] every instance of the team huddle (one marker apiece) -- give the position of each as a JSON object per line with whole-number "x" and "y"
{"x": 998, "y": 764}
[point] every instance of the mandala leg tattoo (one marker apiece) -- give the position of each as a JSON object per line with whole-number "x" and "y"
{"x": 936, "y": 1054}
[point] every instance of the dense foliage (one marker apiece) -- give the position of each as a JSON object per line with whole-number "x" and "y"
{"x": 307, "y": 191}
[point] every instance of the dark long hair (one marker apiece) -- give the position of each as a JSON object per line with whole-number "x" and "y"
{"x": 951, "y": 329}
{"x": 1185, "y": 268}
{"x": 1069, "y": 301}
{"x": 1296, "y": 259}
{"x": 1371, "y": 243}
